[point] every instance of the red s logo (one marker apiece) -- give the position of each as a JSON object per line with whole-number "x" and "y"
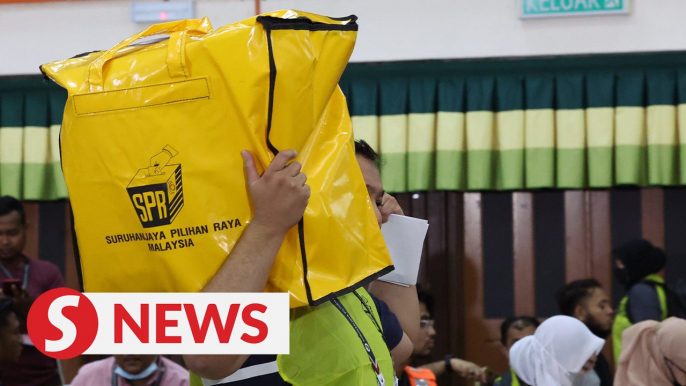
{"x": 62, "y": 323}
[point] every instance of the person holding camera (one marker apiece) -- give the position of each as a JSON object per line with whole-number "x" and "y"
{"x": 23, "y": 281}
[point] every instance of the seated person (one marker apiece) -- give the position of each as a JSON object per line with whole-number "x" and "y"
{"x": 132, "y": 370}
{"x": 512, "y": 330}
{"x": 561, "y": 349}
{"x": 653, "y": 354}
{"x": 426, "y": 374}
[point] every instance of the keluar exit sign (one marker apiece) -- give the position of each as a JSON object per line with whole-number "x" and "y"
{"x": 554, "y": 8}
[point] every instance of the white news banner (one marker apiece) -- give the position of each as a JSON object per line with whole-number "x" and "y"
{"x": 64, "y": 323}
{"x": 236, "y": 326}
{"x": 404, "y": 238}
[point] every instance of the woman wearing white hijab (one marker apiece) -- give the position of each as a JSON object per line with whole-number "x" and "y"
{"x": 561, "y": 349}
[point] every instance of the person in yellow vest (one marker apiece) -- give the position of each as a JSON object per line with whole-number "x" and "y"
{"x": 338, "y": 343}
{"x": 512, "y": 330}
{"x": 425, "y": 375}
{"x": 639, "y": 266}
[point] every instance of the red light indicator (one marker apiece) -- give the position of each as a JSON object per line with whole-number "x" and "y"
{"x": 164, "y": 16}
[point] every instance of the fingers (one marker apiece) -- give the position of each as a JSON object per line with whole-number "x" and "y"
{"x": 279, "y": 163}
{"x": 389, "y": 206}
{"x": 301, "y": 179}
{"x": 281, "y": 160}
{"x": 18, "y": 291}
{"x": 251, "y": 174}
{"x": 476, "y": 374}
{"x": 293, "y": 169}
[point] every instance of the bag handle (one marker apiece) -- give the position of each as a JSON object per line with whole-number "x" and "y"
{"x": 175, "y": 58}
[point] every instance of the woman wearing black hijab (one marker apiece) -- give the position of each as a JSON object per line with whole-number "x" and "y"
{"x": 640, "y": 267}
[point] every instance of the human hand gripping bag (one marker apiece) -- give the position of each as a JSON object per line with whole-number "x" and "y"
{"x": 151, "y": 142}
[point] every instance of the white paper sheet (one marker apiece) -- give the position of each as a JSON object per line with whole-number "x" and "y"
{"x": 404, "y": 238}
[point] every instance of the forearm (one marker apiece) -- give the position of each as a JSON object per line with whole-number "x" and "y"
{"x": 401, "y": 355}
{"x": 246, "y": 270}
{"x": 214, "y": 366}
{"x": 437, "y": 368}
{"x": 404, "y": 304}
{"x": 465, "y": 369}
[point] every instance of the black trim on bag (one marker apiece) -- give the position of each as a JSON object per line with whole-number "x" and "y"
{"x": 303, "y": 23}
{"x": 75, "y": 247}
{"x": 275, "y": 151}
{"x": 347, "y": 290}
{"x": 301, "y": 238}
{"x": 85, "y": 54}
{"x": 272, "y": 86}
{"x": 273, "y": 23}
{"x": 74, "y": 242}
{"x": 46, "y": 77}
{"x": 352, "y": 18}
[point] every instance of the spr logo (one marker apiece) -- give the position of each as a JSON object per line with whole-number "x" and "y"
{"x": 62, "y": 323}
{"x": 157, "y": 190}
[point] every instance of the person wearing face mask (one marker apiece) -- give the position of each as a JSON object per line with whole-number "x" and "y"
{"x": 653, "y": 354}
{"x": 587, "y": 301}
{"x": 561, "y": 349}
{"x": 132, "y": 370}
{"x": 640, "y": 267}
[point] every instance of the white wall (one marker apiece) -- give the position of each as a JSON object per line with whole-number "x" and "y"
{"x": 36, "y": 33}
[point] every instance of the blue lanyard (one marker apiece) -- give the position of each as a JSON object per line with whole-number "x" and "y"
{"x": 26, "y": 274}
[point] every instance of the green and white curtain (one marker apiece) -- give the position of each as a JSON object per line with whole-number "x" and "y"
{"x": 30, "y": 118}
{"x": 568, "y": 122}
{"x": 589, "y": 122}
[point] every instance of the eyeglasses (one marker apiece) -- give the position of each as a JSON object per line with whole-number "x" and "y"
{"x": 671, "y": 363}
{"x": 426, "y": 323}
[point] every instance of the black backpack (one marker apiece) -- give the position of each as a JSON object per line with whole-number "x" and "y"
{"x": 676, "y": 299}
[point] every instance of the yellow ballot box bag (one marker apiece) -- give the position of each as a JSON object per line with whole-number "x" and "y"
{"x": 151, "y": 142}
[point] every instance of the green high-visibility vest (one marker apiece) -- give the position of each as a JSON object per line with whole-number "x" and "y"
{"x": 622, "y": 321}
{"x": 327, "y": 351}
{"x": 514, "y": 380}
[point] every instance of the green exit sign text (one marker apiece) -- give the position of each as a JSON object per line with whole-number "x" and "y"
{"x": 549, "y": 8}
